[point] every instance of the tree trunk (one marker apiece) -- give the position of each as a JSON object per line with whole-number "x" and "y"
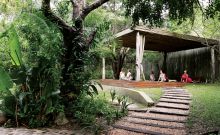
{"x": 72, "y": 62}
{"x": 117, "y": 65}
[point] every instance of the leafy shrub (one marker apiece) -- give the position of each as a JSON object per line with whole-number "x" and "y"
{"x": 30, "y": 96}
{"x": 89, "y": 110}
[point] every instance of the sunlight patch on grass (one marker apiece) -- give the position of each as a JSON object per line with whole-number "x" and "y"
{"x": 205, "y": 108}
{"x": 154, "y": 93}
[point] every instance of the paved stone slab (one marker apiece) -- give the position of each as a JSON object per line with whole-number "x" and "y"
{"x": 155, "y": 123}
{"x": 148, "y": 129}
{"x": 177, "y": 101}
{"x": 161, "y": 117}
{"x": 178, "y": 95}
{"x": 173, "y": 105}
{"x": 170, "y": 111}
{"x": 175, "y": 97}
{"x": 25, "y": 131}
{"x": 175, "y": 90}
{"x": 123, "y": 132}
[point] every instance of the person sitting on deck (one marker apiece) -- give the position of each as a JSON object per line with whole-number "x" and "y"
{"x": 185, "y": 77}
{"x": 162, "y": 77}
{"x": 128, "y": 76}
{"x": 152, "y": 77}
{"x": 122, "y": 75}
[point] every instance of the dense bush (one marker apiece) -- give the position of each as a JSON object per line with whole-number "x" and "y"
{"x": 95, "y": 111}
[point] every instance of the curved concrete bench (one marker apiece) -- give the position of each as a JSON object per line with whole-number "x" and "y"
{"x": 138, "y": 96}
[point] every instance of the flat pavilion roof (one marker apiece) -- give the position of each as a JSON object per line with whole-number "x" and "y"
{"x": 163, "y": 41}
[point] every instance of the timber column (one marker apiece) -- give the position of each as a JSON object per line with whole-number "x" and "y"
{"x": 212, "y": 64}
{"x": 140, "y": 43}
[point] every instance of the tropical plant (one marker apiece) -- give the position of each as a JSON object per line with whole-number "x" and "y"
{"x": 124, "y": 105}
{"x": 91, "y": 111}
{"x": 119, "y": 98}
{"x": 113, "y": 95}
{"x": 33, "y": 99}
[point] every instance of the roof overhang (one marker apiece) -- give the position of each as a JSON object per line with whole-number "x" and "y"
{"x": 163, "y": 41}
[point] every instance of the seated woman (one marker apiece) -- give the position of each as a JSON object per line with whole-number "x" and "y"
{"x": 185, "y": 77}
{"x": 128, "y": 76}
{"x": 122, "y": 75}
{"x": 162, "y": 77}
{"x": 152, "y": 78}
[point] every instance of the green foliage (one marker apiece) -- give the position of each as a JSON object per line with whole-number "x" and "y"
{"x": 5, "y": 80}
{"x": 33, "y": 100}
{"x": 113, "y": 95}
{"x": 153, "y": 57}
{"x": 124, "y": 104}
{"x": 14, "y": 46}
{"x": 119, "y": 98}
{"x": 88, "y": 111}
{"x": 154, "y": 12}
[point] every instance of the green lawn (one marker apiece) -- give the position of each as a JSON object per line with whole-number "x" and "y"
{"x": 205, "y": 108}
{"x": 154, "y": 93}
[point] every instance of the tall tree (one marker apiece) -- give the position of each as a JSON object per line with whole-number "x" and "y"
{"x": 76, "y": 44}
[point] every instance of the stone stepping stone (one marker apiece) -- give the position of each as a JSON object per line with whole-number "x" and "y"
{"x": 161, "y": 117}
{"x": 175, "y": 90}
{"x": 175, "y": 97}
{"x": 123, "y": 132}
{"x": 169, "y": 111}
{"x": 138, "y": 110}
{"x": 177, "y": 101}
{"x": 25, "y": 131}
{"x": 173, "y": 105}
{"x": 147, "y": 129}
{"x": 154, "y": 123}
{"x": 178, "y": 95}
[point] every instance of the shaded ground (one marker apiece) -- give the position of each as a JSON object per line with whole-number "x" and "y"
{"x": 205, "y": 109}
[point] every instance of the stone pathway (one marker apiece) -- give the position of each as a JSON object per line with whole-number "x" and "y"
{"x": 25, "y": 131}
{"x": 167, "y": 117}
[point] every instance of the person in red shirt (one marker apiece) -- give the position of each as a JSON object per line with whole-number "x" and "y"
{"x": 185, "y": 77}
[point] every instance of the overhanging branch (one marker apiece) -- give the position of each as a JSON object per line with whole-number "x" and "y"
{"x": 51, "y": 16}
{"x": 92, "y": 7}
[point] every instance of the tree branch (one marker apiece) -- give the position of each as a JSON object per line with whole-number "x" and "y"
{"x": 92, "y": 7}
{"x": 45, "y": 7}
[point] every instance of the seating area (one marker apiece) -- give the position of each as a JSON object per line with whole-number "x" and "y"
{"x": 140, "y": 84}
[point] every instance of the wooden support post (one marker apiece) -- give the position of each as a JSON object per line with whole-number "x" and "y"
{"x": 138, "y": 73}
{"x": 212, "y": 64}
{"x": 103, "y": 68}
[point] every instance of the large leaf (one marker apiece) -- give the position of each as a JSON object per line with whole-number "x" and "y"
{"x": 14, "y": 46}
{"x": 5, "y": 80}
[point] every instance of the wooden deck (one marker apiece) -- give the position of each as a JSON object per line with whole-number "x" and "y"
{"x": 140, "y": 84}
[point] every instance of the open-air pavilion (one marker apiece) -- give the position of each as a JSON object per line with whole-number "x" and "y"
{"x": 141, "y": 38}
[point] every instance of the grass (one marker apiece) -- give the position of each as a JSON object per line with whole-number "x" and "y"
{"x": 205, "y": 108}
{"x": 154, "y": 93}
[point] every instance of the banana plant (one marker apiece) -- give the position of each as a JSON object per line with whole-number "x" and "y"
{"x": 29, "y": 92}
